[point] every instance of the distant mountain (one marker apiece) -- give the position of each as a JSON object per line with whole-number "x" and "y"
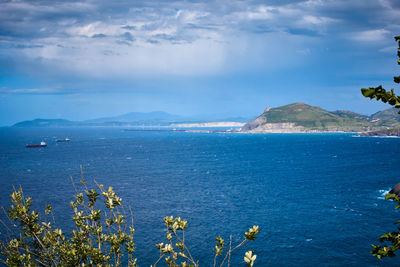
{"x": 300, "y": 117}
{"x": 154, "y": 116}
{"x": 46, "y": 123}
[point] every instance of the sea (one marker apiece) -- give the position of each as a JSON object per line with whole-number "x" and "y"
{"x": 318, "y": 198}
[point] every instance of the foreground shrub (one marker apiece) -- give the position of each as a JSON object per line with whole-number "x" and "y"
{"x": 391, "y": 240}
{"x": 102, "y": 236}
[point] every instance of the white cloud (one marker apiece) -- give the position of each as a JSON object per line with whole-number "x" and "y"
{"x": 309, "y": 19}
{"x": 370, "y": 35}
{"x": 4, "y": 90}
{"x": 105, "y": 58}
{"x": 261, "y": 12}
{"x": 388, "y": 49}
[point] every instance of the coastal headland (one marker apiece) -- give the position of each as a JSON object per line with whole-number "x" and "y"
{"x": 292, "y": 118}
{"x": 303, "y": 118}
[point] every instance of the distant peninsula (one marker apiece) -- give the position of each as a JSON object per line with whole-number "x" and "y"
{"x": 300, "y": 118}
{"x": 139, "y": 119}
{"x": 292, "y": 118}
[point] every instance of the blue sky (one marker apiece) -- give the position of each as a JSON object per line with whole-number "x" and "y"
{"x": 86, "y": 59}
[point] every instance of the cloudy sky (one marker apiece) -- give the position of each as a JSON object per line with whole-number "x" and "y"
{"x": 85, "y": 59}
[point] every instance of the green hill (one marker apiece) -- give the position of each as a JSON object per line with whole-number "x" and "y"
{"x": 386, "y": 114}
{"x": 301, "y": 114}
{"x": 350, "y": 115}
{"x": 300, "y": 117}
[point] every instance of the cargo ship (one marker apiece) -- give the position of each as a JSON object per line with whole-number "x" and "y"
{"x": 42, "y": 144}
{"x": 63, "y": 140}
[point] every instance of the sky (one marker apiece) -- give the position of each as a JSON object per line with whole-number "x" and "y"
{"x": 86, "y": 59}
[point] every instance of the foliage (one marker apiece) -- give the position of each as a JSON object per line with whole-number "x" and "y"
{"x": 98, "y": 240}
{"x": 393, "y": 238}
{"x": 379, "y": 93}
{"x": 101, "y": 237}
{"x": 176, "y": 253}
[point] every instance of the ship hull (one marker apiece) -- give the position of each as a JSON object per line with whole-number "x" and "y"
{"x": 31, "y": 146}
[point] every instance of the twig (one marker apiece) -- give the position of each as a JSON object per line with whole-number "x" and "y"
{"x": 231, "y": 250}
{"x": 230, "y": 246}
{"x": 184, "y": 248}
{"x": 73, "y": 184}
{"x": 161, "y": 256}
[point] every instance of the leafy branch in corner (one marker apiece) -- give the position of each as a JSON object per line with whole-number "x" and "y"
{"x": 393, "y": 237}
{"x": 379, "y": 93}
{"x": 97, "y": 240}
{"x": 391, "y": 240}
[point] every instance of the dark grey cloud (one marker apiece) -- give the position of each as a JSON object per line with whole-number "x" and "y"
{"x": 128, "y": 27}
{"x": 83, "y": 37}
{"x": 99, "y": 35}
{"x": 152, "y": 41}
{"x": 41, "y": 19}
{"x": 307, "y": 32}
{"x": 128, "y": 36}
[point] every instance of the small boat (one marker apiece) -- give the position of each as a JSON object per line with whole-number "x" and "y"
{"x": 63, "y": 140}
{"x": 42, "y": 144}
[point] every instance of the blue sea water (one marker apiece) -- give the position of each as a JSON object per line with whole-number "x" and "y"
{"x": 318, "y": 198}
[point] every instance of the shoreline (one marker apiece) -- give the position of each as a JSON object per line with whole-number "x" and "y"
{"x": 212, "y": 130}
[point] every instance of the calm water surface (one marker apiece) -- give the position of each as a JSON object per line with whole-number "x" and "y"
{"x": 318, "y": 198}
